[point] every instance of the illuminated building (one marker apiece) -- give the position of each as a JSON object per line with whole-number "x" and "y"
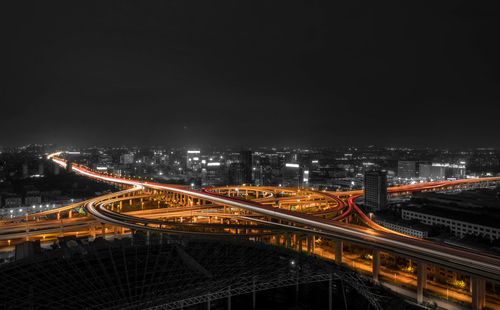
{"x": 292, "y": 175}
{"x": 193, "y": 161}
{"x": 127, "y": 159}
{"x": 406, "y": 169}
{"x": 441, "y": 170}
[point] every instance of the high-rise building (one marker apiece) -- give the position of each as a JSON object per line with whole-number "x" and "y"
{"x": 246, "y": 166}
{"x": 292, "y": 175}
{"x": 193, "y": 161}
{"x": 375, "y": 189}
{"x": 127, "y": 159}
{"x": 407, "y": 169}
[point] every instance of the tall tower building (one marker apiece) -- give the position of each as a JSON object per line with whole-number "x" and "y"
{"x": 375, "y": 189}
{"x": 246, "y": 166}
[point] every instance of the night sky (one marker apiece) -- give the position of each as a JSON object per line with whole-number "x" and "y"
{"x": 270, "y": 73}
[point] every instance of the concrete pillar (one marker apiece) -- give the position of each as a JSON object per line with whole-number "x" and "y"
{"x": 27, "y": 228}
{"x": 376, "y": 265}
{"x": 478, "y": 293}
{"x": 70, "y": 213}
{"x": 309, "y": 241}
{"x": 61, "y": 230}
{"x": 103, "y": 231}
{"x": 421, "y": 281}
{"x": 339, "y": 248}
{"x": 229, "y": 298}
{"x": 148, "y": 236}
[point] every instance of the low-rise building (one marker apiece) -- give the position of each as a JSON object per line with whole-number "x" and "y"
{"x": 405, "y": 227}
{"x": 459, "y": 224}
{"x": 32, "y": 200}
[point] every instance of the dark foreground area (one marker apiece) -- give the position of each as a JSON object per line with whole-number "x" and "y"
{"x": 172, "y": 273}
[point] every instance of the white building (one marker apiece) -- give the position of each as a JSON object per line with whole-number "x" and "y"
{"x": 458, "y": 227}
{"x": 407, "y": 230}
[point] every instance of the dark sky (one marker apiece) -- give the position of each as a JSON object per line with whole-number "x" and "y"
{"x": 312, "y": 73}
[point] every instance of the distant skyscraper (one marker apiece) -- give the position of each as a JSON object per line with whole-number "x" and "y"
{"x": 246, "y": 166}
{"x": 292, "y": 175}
{"x": 407, "y": 169}
{"x": 193, "y": 161}
{"x": 376, "y": 189}
{"x": 127, "y": 159}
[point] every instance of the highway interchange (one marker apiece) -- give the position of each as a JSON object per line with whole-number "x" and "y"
{"x": 271, "y": 211}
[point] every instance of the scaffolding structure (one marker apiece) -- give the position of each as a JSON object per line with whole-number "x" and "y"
{"x": 164, "y": 274}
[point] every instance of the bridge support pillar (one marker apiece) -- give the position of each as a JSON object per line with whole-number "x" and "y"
{"x": 339, "y": 248}
{"x": 103, "y": 231}
{"x": 70, "y": 213}
{"x": 61, "y": 228}
{"x": 229, "y": 298}
{"x": 148, "y": 236}
{"x": 478, "y": 293}
{"x": 421, "y": 281}
{"x": 376, "y": 265}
